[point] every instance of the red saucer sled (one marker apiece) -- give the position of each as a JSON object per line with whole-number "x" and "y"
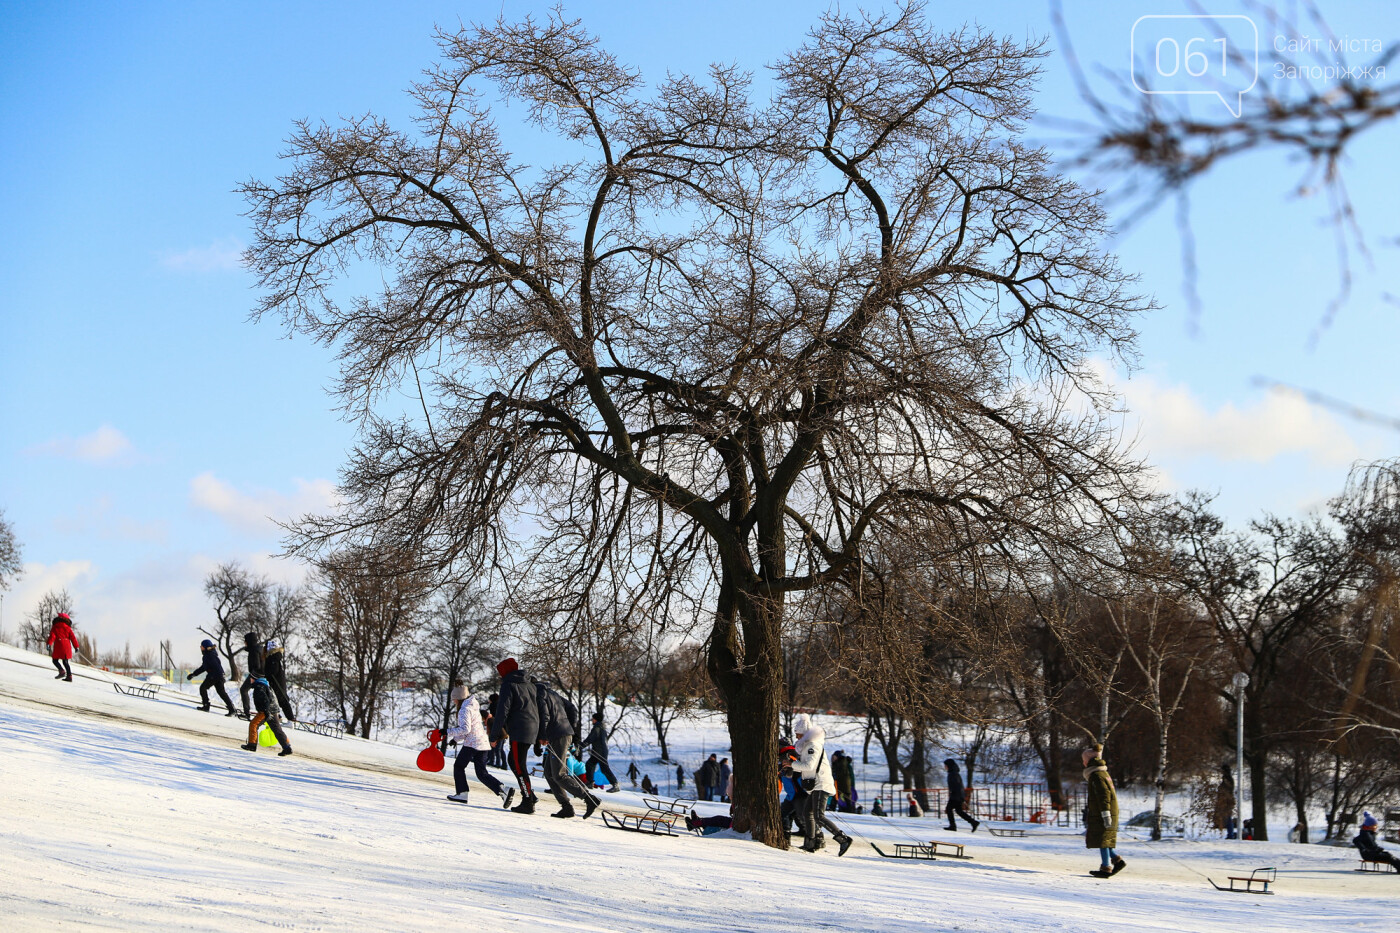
{"x": 430, "y": 758}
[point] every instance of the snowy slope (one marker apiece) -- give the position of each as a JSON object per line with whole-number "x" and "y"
{"x": 123, "y": 812}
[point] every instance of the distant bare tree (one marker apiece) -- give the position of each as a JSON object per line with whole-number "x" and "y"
{"x": 459, "y": 640}
{"x": 240, "y": 601}
{"x": 34, "y": 631}
{"x": 662, "y": 684}
{"x": 368, "y": 612}
{"x": 726, "y": 340}
{"x": 11, "y": 556}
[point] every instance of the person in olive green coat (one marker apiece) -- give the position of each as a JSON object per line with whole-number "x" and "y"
{"x": 1101, "y": 813}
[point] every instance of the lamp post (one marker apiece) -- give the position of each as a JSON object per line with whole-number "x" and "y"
{"x": 1240, "y": 681}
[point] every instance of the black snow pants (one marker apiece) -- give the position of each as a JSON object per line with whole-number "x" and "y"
{"x": 519, "y": 762}
{"x": 217, "y": 684}
{"x": 558, "y": 775}
{"x": 958, "y": 809}
{"x": 813, "y": 818}
{"x": 595, "y": 761}
{"x": 477, "y": 757}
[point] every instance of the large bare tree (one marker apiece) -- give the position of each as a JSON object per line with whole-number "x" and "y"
{"x": 727, "y": 336}
{"x": 11, "y": 555}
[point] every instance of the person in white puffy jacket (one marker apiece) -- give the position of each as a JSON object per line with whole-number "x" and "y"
{"x": 473, "y": 745}
{"x": 813, "y": 769}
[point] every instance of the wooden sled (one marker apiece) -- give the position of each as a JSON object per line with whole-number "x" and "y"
{"x": 926, "y": 851}
{"x": 1384, "y": 868}
{"x": 1257, "y": 882}
{"x": 149, "y": 691}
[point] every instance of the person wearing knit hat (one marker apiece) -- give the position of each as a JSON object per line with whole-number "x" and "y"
{"x": 516, "y": 720}
{"x": 1101, "y": 813}
{"x": 276, "y": 676}
{"x": 1367, "y": 846}
{"x": 469, "y": 735}
{"x": 957, "y": 796}
{"x": 212, "y": 668}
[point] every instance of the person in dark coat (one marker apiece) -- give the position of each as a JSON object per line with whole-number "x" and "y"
{"x": 1101, "y": 813}
{"x": 558, "y": 723}
{"x": 62, "y": 644}
{"x": 680, "y": 777}
{"x": 707, "y": 778}
{"x": 647, "y": 786}
{"x": 956, "y": 797}
{"x": 632, "y": 773}
{"x": 253, "y": 647}
{"x": 876, "y": 809}
{"x": 724, "y": 773}
{"x": 1366, "y": 844}
{"x": 277, "y": 676}
{"x": 496, "y": 755}
{"x": 266, "y": 707}
{"x": 597, "y": 745}
{"x": 212, "y": 668}
{"x": 516, "y": 720}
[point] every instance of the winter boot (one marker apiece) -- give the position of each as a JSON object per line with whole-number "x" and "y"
{"x": 590, "y": 806}
{"x": 845, "y": 843}
{"x": 69, "y": 678}
{"x": 1101, "y": 872}
{"x": 230, "y": 712}
{"x": 286, "y": 750}
{"x": 1118, "y": 865}
{"x": 249, "y": 747}
{"x": 204, "y": 709}
{"x": 507, "y": 795}
{"x": 525, "y": 806}
{"x": 951, "y": 827}
{"x": 615, "y": 788}
{"x": 60, "y": 676}
{"x": 975, "y": 824}
{"x": 459, "y": 798}
{"x": 565, "y": 813}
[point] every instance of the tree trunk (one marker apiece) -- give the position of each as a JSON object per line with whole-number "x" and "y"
{"x": 661, "y": 737}
{"x": 916, "y": 772}
{"x": 1161, "y": 779}
{"x": 1256, "y": 755}
{"x": 749, "y": 678}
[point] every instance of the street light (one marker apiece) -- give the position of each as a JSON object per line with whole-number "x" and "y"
{"x": 1240, "y": 681}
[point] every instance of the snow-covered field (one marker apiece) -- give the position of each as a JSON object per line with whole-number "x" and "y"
{"x": 125, "y": 813}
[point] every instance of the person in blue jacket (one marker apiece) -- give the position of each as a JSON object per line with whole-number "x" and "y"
{"x": 213, "y": 670}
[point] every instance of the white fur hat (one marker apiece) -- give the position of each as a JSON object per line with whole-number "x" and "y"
{"x": 460, "y": 693}
{"x": 800, "y": 724}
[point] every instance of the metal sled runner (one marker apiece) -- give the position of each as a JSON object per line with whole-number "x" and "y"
{"x": 660, "y": 819}
{"x": 1256, "y": 882}
{"x": 149, "y": 691}
{"x": 928, "y": 851}
{"x": 318, "y": 728}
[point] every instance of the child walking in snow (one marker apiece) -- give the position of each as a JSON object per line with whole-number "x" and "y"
{"x": 62, "y": 643}
{"x": 213, "y": 670}
{"x": 266, "y": 706}
{"x": 469, "y": 735}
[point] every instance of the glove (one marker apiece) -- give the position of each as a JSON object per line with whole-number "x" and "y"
{"x": 1107, "y": 817}
{"x": 451, "y": 741}
{"x": 539, "y": 749}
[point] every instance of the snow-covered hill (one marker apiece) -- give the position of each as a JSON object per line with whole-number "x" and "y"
{"x": 122, "y": 812}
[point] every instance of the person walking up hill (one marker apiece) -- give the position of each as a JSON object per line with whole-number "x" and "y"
{"x": 62, "y": 644}
{"x": 276, "y": 675}
{"x": 558, "y": 723}
{"x": 516, "y": 721}
{"x": 212, "y": 668}
{"x": 597, "y": 744}
{"x": 469, "y": 734}
{"x": 266, "y": 707}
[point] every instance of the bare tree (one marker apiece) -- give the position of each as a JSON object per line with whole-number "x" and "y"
{"x": 11, "y": 555}
{"x": 34, "y": 630}
{"x": 459, "y": 640}
{"x": 240, "y": 601}
{"x": 662, "y": 684}
{"x": 363, "y": 627}
{"x": 729, "y": 337}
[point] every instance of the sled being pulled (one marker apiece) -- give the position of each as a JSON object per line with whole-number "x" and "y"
{"x": 334, "y": 730}
{"x": 661, "y": 817}
{"x": 1256, "y": 882}
{"x": 149, "y": 691}
{"x": 930, "y": 851}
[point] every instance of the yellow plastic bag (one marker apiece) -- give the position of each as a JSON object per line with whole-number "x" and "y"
{"x": 265, "y": 737}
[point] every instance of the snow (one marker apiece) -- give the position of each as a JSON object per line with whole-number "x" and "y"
{"x": 123, "y": 812}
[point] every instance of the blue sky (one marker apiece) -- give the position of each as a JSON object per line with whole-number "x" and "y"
{"x": 148, "y": 430}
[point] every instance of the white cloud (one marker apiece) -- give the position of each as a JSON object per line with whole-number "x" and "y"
{"x": 220, "y": 256}
{"x": 258, "y": 511}
{"x": 1174, "y": 424}
{"x": 104, "y": 445}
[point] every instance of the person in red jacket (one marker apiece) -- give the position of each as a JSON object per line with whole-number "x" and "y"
{"x": 63, "y": 643}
